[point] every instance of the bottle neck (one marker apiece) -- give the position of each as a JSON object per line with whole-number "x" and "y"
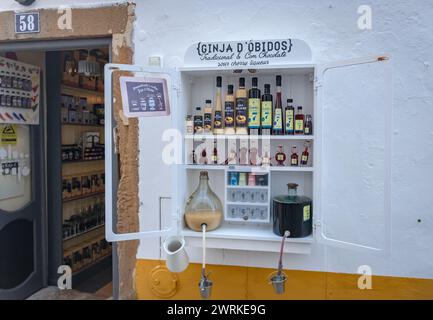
{"x": 218, "y": 99}
{"x": 203, "y": 186}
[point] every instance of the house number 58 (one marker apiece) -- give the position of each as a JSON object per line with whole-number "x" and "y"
{"x": 26, "y": 22}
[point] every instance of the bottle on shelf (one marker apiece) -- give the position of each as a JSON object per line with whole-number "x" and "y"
{"x": 299, "y": 121}
{"x": 294, "y": 157}
{"x": 218, "y": 116}
{"x": 254, "y": 108}
{"x": 198, "y": 121}
{"x": 289, "y": 121}
{"x": 207, "y": 118}
{"x": 215, "y": 153}
{"x": 304, "y": 156}
{"x": 241, "y": 108}
{"x": 229, "y": 111}
{"x": 280, "y": 156}
{"x": 189, "y": 125}
{"x": 308, "y": 126}
{"x": 277, "y": 128}
{"x": 266, "y": 110}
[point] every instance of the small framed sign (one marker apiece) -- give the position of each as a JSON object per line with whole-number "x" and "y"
{"x": 27, "y": 22}
{"x": 144, "y": 96}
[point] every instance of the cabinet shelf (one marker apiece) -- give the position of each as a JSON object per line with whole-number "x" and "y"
{"x": 240, "y": 203}
{"x": 249, "y": 238}
{"x": 248, "y": 168}
{"x": 199, "y": 137}
{"x": 248, "y": 187}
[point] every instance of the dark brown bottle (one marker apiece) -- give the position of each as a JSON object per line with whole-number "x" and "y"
{"x": 277, "y": 128}
{"x": 266, "y": 118}
{"x": 254, "y": 107}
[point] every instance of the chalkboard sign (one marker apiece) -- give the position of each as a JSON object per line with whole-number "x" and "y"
{"x": 144, "y": 97}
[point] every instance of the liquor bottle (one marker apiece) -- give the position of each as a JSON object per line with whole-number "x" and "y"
{"x": 278, "y": 112}
{"x": 189, "y": 125}
{"x": 215, "y": 153}
{"x": 266, "y": 120}
{"x": 280, "y": 156}
{"x": 207, "y": 119}
{"x": 198, "y": 121}
{"x": 289, "y": 122}
{"x": 308, "y": 126}
{"x": 218, "y": 116}
{"x": 294, "y": 157}
{"x": 304, "y": 156}
{"x": 229, "y": 111}
{"x": 241, "y": 108}
{"x": 299, "y": 121}
{"x": 254, "y": 108}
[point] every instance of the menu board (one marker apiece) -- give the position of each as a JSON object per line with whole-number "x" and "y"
{"x": 19, "y": 92}
{"x": 144, "y": 96}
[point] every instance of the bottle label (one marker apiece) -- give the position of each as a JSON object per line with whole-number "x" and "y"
{"x": 294, "y": 161}
{"x": 299, "y": 125}
{"x": 198, "y": 124}
{"x": 229, "y": 114}
{"x": 277, "y": 120}
{"x": 307, "y": 130}
{"x": 241, "y": 112}
{"x": 254, "y": 113}
{"x": 218, "y": 120}
{"x": 290, "y": 115}
{"x": 267, "y": 114}
{"x": 207, "y": 122}
{"x": 304, "y": 158}
{"x": 307, "y": 213}
{"x": 280, "y": 157}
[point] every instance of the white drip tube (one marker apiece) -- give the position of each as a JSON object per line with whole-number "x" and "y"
{"x": 203, "y": 228}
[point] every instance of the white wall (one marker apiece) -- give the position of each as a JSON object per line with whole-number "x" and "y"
{"x": 167, "y": 28}
{"x": 401, "y": 28}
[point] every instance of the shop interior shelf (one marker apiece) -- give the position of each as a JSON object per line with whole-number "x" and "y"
{"x": 80, "y": 91}
{"x": 84, "y": 232}
{"x": 78, "y": 161}
{"x": 248, "y": 237}
{"x": 84, "y": 196}
{"x": 81, "y": 124}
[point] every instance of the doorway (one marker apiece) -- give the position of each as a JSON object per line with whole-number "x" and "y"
{"x": 58, "y": 220}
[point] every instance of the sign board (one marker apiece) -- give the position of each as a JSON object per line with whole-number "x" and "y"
{"x": 144, "y": 96}
{"x": 247, "y": 53}
{"x": 19, "y": 92}
{"x": 27, "y": 22}
{"x": 8, "y": 134}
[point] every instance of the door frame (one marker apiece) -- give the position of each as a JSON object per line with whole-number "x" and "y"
{"x": 51, "y": 201}
{"x": 90, "y": 24}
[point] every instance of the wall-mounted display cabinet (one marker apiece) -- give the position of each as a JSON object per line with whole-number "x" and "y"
{"x": 347, "y": 174}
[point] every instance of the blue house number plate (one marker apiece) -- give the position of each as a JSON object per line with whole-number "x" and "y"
{"x": 27, "y": 22}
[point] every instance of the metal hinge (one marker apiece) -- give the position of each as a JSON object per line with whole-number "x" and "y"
{"x": 317, "y": 83}
{"x": 317, "y": 224}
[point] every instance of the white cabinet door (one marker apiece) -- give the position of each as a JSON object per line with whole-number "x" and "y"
{"x": 113, "y": 71}
{"x": 352, "y": 193}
